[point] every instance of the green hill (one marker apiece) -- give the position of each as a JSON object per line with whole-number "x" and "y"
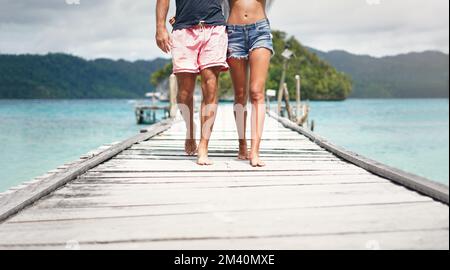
{"x": 413, "y": 75}
{"x": 320, "y": 80}
{"x": 66, "y": 76}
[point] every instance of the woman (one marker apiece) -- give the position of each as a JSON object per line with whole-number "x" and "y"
{"x": 250, "y": 45}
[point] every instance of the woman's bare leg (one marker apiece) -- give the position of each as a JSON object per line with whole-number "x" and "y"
{"x": 259, "y": 67}
{"x": 238, "y": 70}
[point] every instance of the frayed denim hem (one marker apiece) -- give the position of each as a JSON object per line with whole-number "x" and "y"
{"x": 264, "y": 47}
{"x": 238, "y": 57}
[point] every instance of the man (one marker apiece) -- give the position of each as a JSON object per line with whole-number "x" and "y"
{"x": 199, "y": 47}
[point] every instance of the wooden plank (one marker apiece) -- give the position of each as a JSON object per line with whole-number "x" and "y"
{"x": 179, "y": 152}
{"x": 221, "y": 164}
{"x": 207, "y": 174}
{"x": 265, "y": 148}
{"x": 422, "y": 240}
{"x": 89, "y": 206}
{"x": 222, "y": 168}
{"x": 306, "y": 180}
{"x": 14, "y": 202}
{"x": 300, "y": 187}
{"x": 420, "y": 184}
{"x": 223, "y": 161}
{"x": 58, "y": 213}
{"x": 280, "y": 149}
{"x": 312, "y": 196}
{"x": 216, "y": 157}
{"x": 215, "y": 224}
{"x": 96, "y": 183}
{"x": 90, "y": 193}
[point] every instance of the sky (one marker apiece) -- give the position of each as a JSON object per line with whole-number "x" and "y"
{"x": 125, "y": 29}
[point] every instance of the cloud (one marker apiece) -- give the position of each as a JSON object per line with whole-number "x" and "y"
{"x": 126, "y": 29}
{"x": 390, "y": 27}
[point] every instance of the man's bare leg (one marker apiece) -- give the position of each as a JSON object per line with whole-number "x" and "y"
{"x": 185, "y": 99}
{"x": 238, "y": 69}
{"x": 210, "y": 78}
{"x": 259, "y": 67}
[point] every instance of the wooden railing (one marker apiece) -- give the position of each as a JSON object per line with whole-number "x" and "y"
{"x": 298, "y": 114}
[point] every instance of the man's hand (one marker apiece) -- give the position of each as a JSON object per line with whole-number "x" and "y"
{"x": 162, "y": 36}
{"x": 163, "y": 39}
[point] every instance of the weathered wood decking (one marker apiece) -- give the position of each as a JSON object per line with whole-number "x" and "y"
{"x": 151, "y": 196}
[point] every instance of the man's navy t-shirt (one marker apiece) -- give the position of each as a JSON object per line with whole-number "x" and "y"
{"x": 192, "y": 12}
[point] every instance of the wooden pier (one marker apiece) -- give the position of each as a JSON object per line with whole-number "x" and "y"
{"x": 144, "y": 193}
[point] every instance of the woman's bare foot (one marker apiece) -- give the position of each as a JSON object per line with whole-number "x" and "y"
{"x": 243, "y": 151}
{"x": 255, "y": 161}
{"x": 190, "y": 146}
{"x": 203, "y": 159}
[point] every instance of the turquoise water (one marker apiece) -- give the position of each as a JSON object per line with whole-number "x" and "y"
{"x": 410, "y": 134}
{"x": 38, "y": 136}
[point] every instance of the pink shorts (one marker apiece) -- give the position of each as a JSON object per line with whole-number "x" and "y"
{"x": 197, "y": 48}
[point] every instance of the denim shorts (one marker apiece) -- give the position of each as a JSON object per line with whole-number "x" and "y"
{"x": 242, "y": 39}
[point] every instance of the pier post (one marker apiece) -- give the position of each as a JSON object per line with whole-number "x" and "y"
{"x": 297, "y": 78}
{"x": 281, "y": 89}
{"x": 139, "y": 116}
{"x": 287, "y": 54}
{"x": 286, "y": 100}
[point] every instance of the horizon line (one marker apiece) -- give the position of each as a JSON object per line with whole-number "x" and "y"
{"x": 168, "y": 58}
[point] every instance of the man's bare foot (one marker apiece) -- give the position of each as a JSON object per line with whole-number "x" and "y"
{"x": 203, "y": 159}
{"x": 243, "y": 151}
{"x": 190, "y": 146}
{"x": 255, "y": 161}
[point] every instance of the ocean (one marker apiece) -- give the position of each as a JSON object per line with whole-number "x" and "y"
{"x": 409, "y": 134}
{"x": 39, "y": 135}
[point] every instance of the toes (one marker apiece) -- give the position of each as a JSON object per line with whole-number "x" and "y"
{"x": 245, "y": 156}
{"x": 190, "y": 148}
{"x": 257, "y": 163}
{"x": 192, "y": 151}
{"x": 208, "y": 162}
{"x": 204, "y": 161}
